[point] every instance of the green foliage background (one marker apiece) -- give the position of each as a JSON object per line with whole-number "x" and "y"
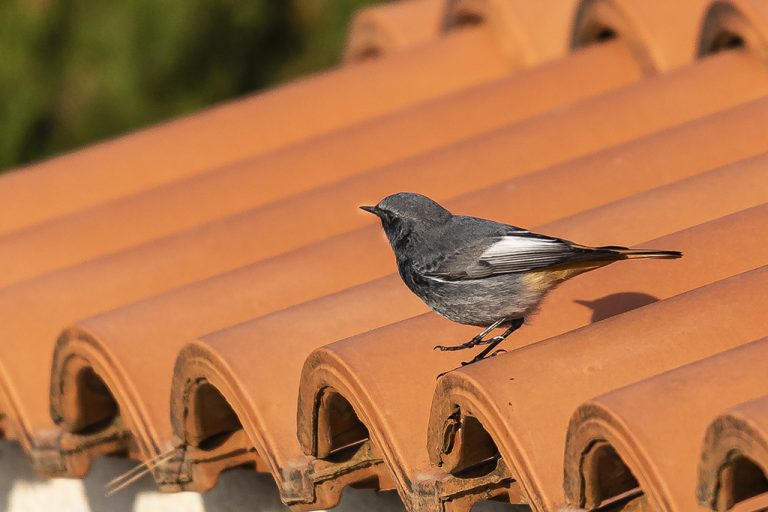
{"x": 76, "y": 71}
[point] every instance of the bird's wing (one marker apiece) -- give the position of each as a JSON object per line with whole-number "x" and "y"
{"x": 516, "y": 251}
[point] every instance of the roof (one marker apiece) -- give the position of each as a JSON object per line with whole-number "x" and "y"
{"x": 216, "y": 300}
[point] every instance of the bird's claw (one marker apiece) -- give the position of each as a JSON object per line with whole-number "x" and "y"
{"x": 474, "y": 342}
{"x": 451, "y": 348}
{"x": 473, "y": 361}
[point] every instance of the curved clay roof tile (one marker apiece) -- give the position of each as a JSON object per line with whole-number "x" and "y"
{"x": 528, "y": 32}
{"x": 380, "y": 30}
{"x": 357, "y": 367}
{"x": 520, "y": 148}
{"x": 118, "y": 330}
{"x": 318, "y": 162}
{"x": 240, "y": 129}
{"x": 650, "y": 432}
{"x": 110, "y": 282}
{"x": 261, "y": 393}
{"x": 733, "y": 468}
{"x": 662, "y": 34}
{"x": 523, "y": 400}
{"x": 490, "y": 434}
{"x": 735, "y": 24}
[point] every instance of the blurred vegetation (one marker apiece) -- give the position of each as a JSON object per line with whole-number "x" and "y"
{"x": 77, "y": 71}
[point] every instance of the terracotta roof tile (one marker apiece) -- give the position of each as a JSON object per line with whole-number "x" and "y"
{"x": 734, "y": 458}
{"x": 757, "y": 503}
{"x": 734, "y": 22}
{"x": 388, "y": 28}
{"x": 338, "y": 365}
{"x": 664, "y": 35}
{"x": 709, "y": 195}
{"x": 613, "y": 448}
{"x": 218, "y": 361}
{"x": 239, "y": 129}
{"x": 224, "y": 245}
{"x": 623, "y": 170}
{"x": 138, "y": 283}
{"x": 522, "y": 401}
{"x": 321, "y": 161}
{"x": 640, "y": 284}
{"x": 187, "y": 288}
{"x": 243, "y": 300}
{"x": 529, "y": 32}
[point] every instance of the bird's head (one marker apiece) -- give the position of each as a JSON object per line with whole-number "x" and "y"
{"x": 406, "y": 212}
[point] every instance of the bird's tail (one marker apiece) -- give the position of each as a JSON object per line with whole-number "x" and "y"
{"x": 585, "y": 258}
{"x": 624, "y": 253}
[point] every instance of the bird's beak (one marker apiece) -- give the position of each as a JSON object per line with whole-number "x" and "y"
{"x": 371, "y": 209}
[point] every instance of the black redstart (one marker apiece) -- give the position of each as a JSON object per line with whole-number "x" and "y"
{"x": 480, "y": 272}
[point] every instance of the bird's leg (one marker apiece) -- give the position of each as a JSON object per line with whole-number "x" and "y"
{"x": 494, "y": 341}
{"x": 477, "y": 340}
{"x": 516, "y": 324}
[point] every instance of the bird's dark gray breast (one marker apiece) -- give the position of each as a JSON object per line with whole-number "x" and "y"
{"x": 478, "y": 302}
{"x": 447, "y": 250}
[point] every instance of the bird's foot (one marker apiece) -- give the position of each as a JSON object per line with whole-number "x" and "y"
{"x": 480, "y": 357}
{"x": 450, "y": 348}
{"x": 477, "y": 340}
{"x": 465, "y": 363}
{"x": 474, "y": 342}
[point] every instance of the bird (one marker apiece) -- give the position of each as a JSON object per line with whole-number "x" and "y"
{"x": 480, "y": 272}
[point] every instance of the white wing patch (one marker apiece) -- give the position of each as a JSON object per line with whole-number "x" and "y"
{"x": 512, "y": 246}
{"x": 520, "y": 253}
